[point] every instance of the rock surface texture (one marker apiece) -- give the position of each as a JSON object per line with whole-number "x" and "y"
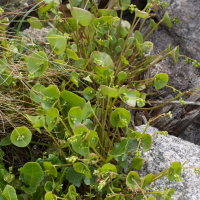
{"x": 164, "y": 151}
{"x": 187, "y": 33}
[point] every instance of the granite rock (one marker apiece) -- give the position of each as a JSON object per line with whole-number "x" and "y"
{"x": 164, "y": 151}
{"x": 187, "y": 33}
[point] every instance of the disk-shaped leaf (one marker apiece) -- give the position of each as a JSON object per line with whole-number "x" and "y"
{"x": 120, "y": 117}
{"x": 9, "y": 193}
{"x": 50, "y": 169}
{"x": 58, "y": 43}
{"x": 50, "y": 96}
{"x": 82, "y": 169}
{"x": 118, "y": 49}
{"x": 75, "y": 116}
{"x": 3, "y": 64}
{"x": 146, "y": 180}
{"x": 153, "y": 24}
{"x": 103, "y": 62}
{"x": 50, "y": 196}
{"x": 141, "y": 14}
{"x": 35, "y": 23}
{"x": 167, "y": 20}
{"x": 108, "y": 91}
{"x": 129, "y": 96}
{"x": 134, "y": 135}
{"x": 72, "y": 99}
{"x": 48, "y": 186}
{"x": 175, "y": 53}
{"x": 81, "y": 147}
{"x": 131, "y": 180}
{"x": 88, "y": 93}
{"x": 146, "y": 142}
{"x": 6, "y": 78}
{"x": 174, "y": 168}
{"x": 108, "y": 168}
{"x": 71, "y": 54}
{"x": 37, "y": 63}
{"x": 21, "y": 137}
{"x": 137, "y": 163}
{"x": 53, "y": 31}
{"x": 74, "y": 78}
{"x": 102, "y": 24}
{"x": 93, "y": 137}
{"x": 121, "y": 76}
{"x": 36, "y": 93}
{"x": 82, "y": 16}
{"x": 79, "y": 129}
{"x": 160, "y": 79}
{"x": 52, "y": 118}
{"x": 124, "y": 4}
{"x": 31, "y": 174}
{"x": 147, "y": 46}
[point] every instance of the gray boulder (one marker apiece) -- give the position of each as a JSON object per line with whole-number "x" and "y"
{"x": 164, "y": 151}
{"x": 187, "y": 33}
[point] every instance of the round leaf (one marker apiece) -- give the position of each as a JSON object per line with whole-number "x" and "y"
{"x": 131, "y": 180}
{"x": 88, "y": 93}
{"x": 160, "y": 79}
{"x": 121, "y": 76}
{"x": 34, "y": 22}
{"x": 50, "y": 196}
{"x": 146, "y": 142}
{"x": 36, "y": 93}
{"x": 50, "y": 169}
{"x": 21, "y": 137}
{"x": 120, "y": 117}
{"x": 58, "y": 43}
{"x": 75, "y": 116}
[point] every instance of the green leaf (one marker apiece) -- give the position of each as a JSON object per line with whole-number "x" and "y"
{"x": 113, "y": 197}
{"x": 82, "y": 169}
{"x": 71, "y": 54}
{"x": 53, "y": 31}
{"x": 3, "y": 64}
{"x": 108, "y": 91}
{"x": 87, "y": 110}
{"x": 6, "y": 78}
{"x": 134, "y": 135}
{"x": 121, "y": 76}
{"x": 175, "y": 53}
{"x": 151, "y": 198}
{"x": 120, "y": 117}
{"x": 31, "y": 174}
{"x": 48, "y": 186}
{"x": 35, "y": 23}
{"x": 36, "y": 93}
{"x": 108, "y": 12}
{"x": 153, "y": 24}
{"x": 21, "y": 137}
{"x": 108, "y": 168}
{"x": 124, "y": 4}
{"x": 147, "y": 46}
{"x": 82, "y": 16}
{"x": 37, "y": 63}
{"x": 74, "y": 78}
{"x": 129, "y": 96}
{"x": 131, "y": 180}
{"x": 93, "y": 136}
{"x": 168, "y": 194}
{"x": 75, "y": 116}
{"x": 175, "y": 167}
{"x": 50, "y": 96}
{"x": 72, "y": 99}
{"x": 3, "y": 26}
{"x": 146, "y": 180}
{"x": 74, "y": 177}
{"x": 159, "y": 80}
{"x": 137, "y": 163}
{"x": 146, "y": 142}
{"x": 138, "y": 36}
{"x": 58, "y": 43}
{"x": 71, "y": 195}
{"x": 102, "y": 24}
{"x": 5, "y": 141}
{"x": 141, "y": 14}
{"x": 88, "y": 93}
{"x": 103, "y": 62}
{"x": 123, "y": 60}
{"x": 118, "y": 49}
{"x": 39, "y": 123}
{"x": 39, "y": 194}
{"x": 9, "y": 193}
{"x": 50, "y": 196}
{"x": 50, "y": 169}
{"x": 167, "y": 20}
{"x": 80, "y": 63}
{"x": 52, "y": 118}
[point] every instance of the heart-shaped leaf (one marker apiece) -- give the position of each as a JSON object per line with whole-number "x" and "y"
{"x": 31, "y": 174}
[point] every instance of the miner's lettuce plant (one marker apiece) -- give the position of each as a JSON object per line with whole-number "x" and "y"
{"x": 80, "y": 95}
